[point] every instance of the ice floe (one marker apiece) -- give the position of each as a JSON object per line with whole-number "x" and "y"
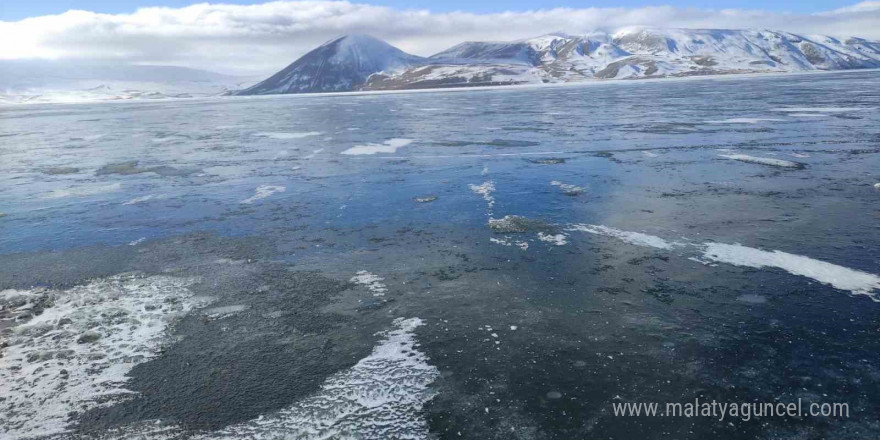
{"x": 389, "y": 146}
{"x": 381, "y": 397}
{"x": 77, "y": 353}
{"x": 635, "y": 238}
{"x": 373, "y": 282}
{"x": 857, "y": 282}
{"x": 288, "y": 135}
{"x": 763, "y": 160}
{"x": 262, "y": 192}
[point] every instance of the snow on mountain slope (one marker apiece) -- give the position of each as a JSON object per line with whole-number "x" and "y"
{"x": 338, "y": 65}
{"x": 364, "y": 63}
{"x": 635, "y": 53}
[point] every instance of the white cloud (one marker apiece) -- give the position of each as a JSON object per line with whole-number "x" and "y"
{"x": 265, "y": 37}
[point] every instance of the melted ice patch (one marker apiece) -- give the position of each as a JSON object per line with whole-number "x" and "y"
{"x": 262, "y": 192}
{"x": 389, "y": 146}
{"x": 743, "y": 121}
{"x": 636, "y": 238}
{"x": 557, "y": 239}
{"x": 77, "y": 354}
{"x": 762, "y": 160}
{"x": 857, "y": 282}
{"x": 373, "y": 282}
{"x": 381, "y": 397}
{"x": 288, "y": 135}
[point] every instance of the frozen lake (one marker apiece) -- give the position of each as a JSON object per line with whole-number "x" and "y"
{"x": 504, "y": 263}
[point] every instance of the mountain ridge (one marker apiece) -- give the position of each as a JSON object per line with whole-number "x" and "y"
{"x": 358, "y": 62}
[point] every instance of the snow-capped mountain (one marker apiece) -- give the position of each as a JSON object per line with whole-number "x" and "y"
{"x": 365, "y": 63}
{"x": 341, "y": 64}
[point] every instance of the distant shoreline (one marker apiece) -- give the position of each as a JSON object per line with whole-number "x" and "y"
{"x": 456, "y": 89}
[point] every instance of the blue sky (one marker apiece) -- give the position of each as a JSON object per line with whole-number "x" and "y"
{"x": 16, "y": 9}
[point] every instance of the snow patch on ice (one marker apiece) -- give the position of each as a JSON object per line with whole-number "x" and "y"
{"x": 389, "y": 146}
{"x": 288, "y": 135}
{"x": 763, "y": 160}
{"x": 568, "y": 189}
{"x": 557, "y": 239}
{"x": 743, "y": 121}
{"x": 857, "y": 282}
{"x": 507, "y": 241}
{"x": 141, "y": 199}
{"x": 77, "y": 354}
{"x": 808, "y": 115}
{"x": 224, "y": 311}
{"x": 820, "y": 109}
{"x": 313, "y": 153}
{"x": 382, "y": 396}
{"x": 373, "y": 282}
{"x": 485, "y": 189}
{"x": 262, "y": 192}
{"x": 635, "y": 238}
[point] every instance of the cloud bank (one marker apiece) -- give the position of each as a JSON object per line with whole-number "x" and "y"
{"x": 262, "y": 38}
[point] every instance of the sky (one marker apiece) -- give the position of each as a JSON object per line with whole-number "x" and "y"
{"x": 17, "y": 10}
{"x": 253, "y": 38}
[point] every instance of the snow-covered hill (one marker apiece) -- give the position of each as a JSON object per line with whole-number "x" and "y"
{"x": 364, "y": 63}
{"x": 341, "y": 64}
